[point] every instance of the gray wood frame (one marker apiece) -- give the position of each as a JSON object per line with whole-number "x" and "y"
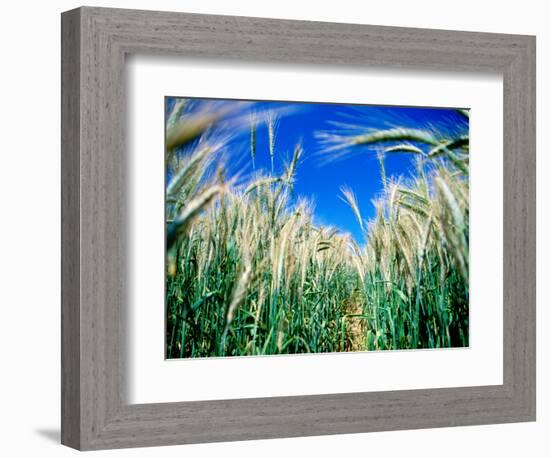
{"x": 95, "y": 41}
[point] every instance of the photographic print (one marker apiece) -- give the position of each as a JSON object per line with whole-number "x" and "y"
{"x": 298, "y": 227}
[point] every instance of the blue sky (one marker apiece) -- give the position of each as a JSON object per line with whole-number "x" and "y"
{"x": 320, "y": 179}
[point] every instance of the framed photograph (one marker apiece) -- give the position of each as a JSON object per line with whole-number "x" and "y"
{"x": 272, "y": 254}
{"x": 278, "y": 228}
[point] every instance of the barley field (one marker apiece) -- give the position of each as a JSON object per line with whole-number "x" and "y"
{"x": 251, "y": 267}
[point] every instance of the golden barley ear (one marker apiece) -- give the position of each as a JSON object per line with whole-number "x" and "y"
{"x": 350, "y": 199}
{"x": 182, "y": 223}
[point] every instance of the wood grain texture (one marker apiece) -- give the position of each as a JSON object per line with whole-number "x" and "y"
{"x": 70, "y": 229}
{"x": 95, "y": 411}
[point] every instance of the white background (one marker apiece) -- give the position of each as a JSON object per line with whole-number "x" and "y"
{"x": 29, "y": 239}
{"x": 150, "y": 79}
